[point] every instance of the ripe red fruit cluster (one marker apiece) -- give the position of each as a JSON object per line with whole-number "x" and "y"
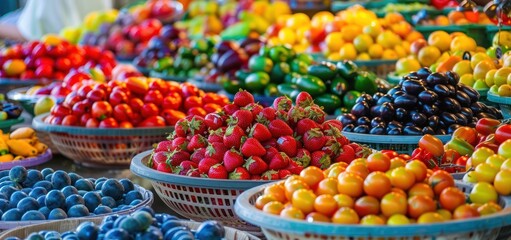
{"x": 134, "y": 102}
{"x": 45, "y": 61}
{"x": 248, "y": 141}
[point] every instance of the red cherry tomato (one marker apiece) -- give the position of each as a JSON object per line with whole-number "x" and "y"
{"x": 171, "y": 116}
{"x": 154, "y": 96}
{"x": 136, "y": 104}
{"x": 172, "y": 102}
{"x": 101, "y": 110}
{"x": 193, "y": 101}
{"x": 84, "y": 90}
{"x": 149, "y": 109}
{"x": 108, "y": 123}
{"x": 122, "y": 112}
{"x": 71, "y": 99}
{"x": 153, "y": 121}
{"x": 96, "y": 95}
{"x": 125, "y": 124}
{"x": 60, "y": 111}
{"x": 70, "y": 120}
{"x": 117, "y": 97}
{"x": 84, "y": 118}
{"x": 81, "y": 107}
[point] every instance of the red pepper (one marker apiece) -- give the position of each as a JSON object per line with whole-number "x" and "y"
{"x": 487, "y": 126}
{"x": 450, "y": 156}
{"x": 489, "y": 145}
{"x": 503, "y": 133}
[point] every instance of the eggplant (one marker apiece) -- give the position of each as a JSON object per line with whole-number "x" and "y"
{"x": 413, "y": 87}
{"x": 477, "y": 107}
{"x": 467, "y": 112}
{"x": 394, "y": 124}
{"x": 377, "y": 96}
{"x": 387, "y": 111}
{"x": 229, "y": 60}
{"x": 472, "y": 93}
{"x": 409, "y": 124}
{"x": 13, "y": 112}
{"x": 423, "y": 73}
{"x": 472, "y": 124}
{"x": 461, "y": 119}
{"x": 376, "y": 121}
{"x": 430, "y": 110}
{"x": 348, "y": 128}
{"x": 485, "y": 115}
{"x": 433, "y": 121}
{"x": 412, "y": 130}
{"x": 441, "y": 90}
{"x": 452, "y": 90}
{"x": 378, "y": 130}
{"x": 428, "y": 97}
{"x": 375, "y": 111}
{"x": 248, "y": 41}
{"x": 393, "y": 90}
{"x": 419, "y": 119}
{"x": 436, "y": 78}
{"x": 406, "y": 101}
{"x": 363, "y": 121}
{"x": 367, "y": 98}
{"x": 497, "y": 113}
{"x": 450, "y": 105}
{"x": 361, "y": 129}
{"x": 448, "y": 118}
{"x": 395, "y": 131}
{"x": 463, "y": 99}
{"x": 452, "y": 78}
{"x": 440, "y": 132}
{"x": 452, "y": 128}
{"x": 360, "y": 109}
{"x": 413, "y": 75}
{"x": 347, "y": 118}
{"x": 384, "y": 99}
{"x": 428, "y": 130}
{"x": 398, "y": 93}
{"x": 401, "y": 114}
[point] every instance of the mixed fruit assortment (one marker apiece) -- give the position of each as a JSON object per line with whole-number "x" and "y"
{"x": 28, "y": 195}
{"x": 19, "y": 144}
{"x": 422, "y": 103}
{"x": 453, "y": 18}
{"x": 247, "y": 141}
{"x": 9, "y": 110}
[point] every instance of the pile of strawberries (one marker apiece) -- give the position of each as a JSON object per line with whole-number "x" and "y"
{"x": 248, "y": 141}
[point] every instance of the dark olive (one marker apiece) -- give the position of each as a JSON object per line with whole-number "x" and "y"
{"x": 423, "y": 73}
{"x": 365, "y": 97}
{"x": 377, "y": 96}
{"x": 363, "y": 121}
{"x": 384, "y": 99}
{"x": 428, "y": 130}
{"x": 394, "y": 124}
{"x": 467, "y": 112}
{"x": 398, "y": 93}
{"x": 486, "y": 115}
{"x": 477, "y": 107}
{"x": 393, "y": 90}
{"x": 430, "y": 110}
{"x": 441, "y": 90}
{"x": 378, "y": 130}
{"x": 401, "y": 114}
{"x": 433, "y": 122}
{"x": 376, "y": 121}
{"x": 441, "y": 132}
{"x": 472, "y": 93}
{"x": 347, "y": 118}
{"x": 375, "y": 111}
{"x": 452, "y": 90}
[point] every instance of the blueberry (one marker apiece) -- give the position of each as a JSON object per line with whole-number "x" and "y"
{"x": 127, "y": 184}
{"x": 84, "y": 184}
{"x": 33, "y": 215}
{"x": 78, "y": 211}
{"x": 12, "y": 214}
{"x": 33, "y": 176}
{"x": 166, "y": 226}
{"x": 47, "y": 171}
{"x": 117, "y": 233}
{"x": 35, "y": 236}
{"x": 57, "y": 213}
{"x": 60, "y": 179}
{"x": 151, "y": 234}
{"x": 169, "y": 235}
{"x": 27, "y": 204}
{"x": 41, "y": 200}
{"x": 74, "y": 177}
{"x": 73, "y": 200}
{"x": 132, "y": 196}
{"x": 92, "y": 200}
{"x": 37, "y": 192}
{"x": 55, "y": 199}
{"x": 109, "y": 202}
{"x": 112, "y": 188}
{"x": 15, "y": 198}
{"x": 69, "y": 190}
{"x": 26, "y": 190}
{"x": 45, "y": 211}
{"x": 210, "y": 230}
{"x": 45, "y": 184}
{"x": 102, "y": 210}
{"x": 148, "y": 209}
{"x": 18, "y": 174}
{"x": 8, "y": 190}
{"x": 87, "y": 230}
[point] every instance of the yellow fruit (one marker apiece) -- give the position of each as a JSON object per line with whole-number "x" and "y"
{"x": 350, "y": 32}
{"x": 501, "y": 76}
{"x": 502, "y": 180}
{"x": 406, "y": 65}
{"x": 506, "y": 62}
{"x": 298, "y": 20}
{"x": 478, "y": 57}
{"x": 287, "y": 36}
{"x": 502, "y": 38}
{"x": 321, "y": 18}
{"x": 467, "y": 79}
{"x": 485, "y": 172}
{"x": 348, "y": 52}
{"x": 413, "y": 36}
{"x": 406, "y": 46}
{"x": 462, "y": 67}
{"x": 334, "y": 41}
{"x": 335, "y": 56}
{"x": 428, "y": 55}
{"x": 483, "y": 192}
{"x": 14, "y": 67}
{"x": 375, "y": 51}
{"x": 362, "y": 42}
{"x": 273, "y": 41}
{"x": 488, "y": 79}
{"x": 440, "y": 39}
{"x": 364, "y": 57}
{"x": 389, "y": 54}
{"x": 463, "y": 43}
{"x": 373, "y": 30}
{"x": 482, "y": 68}
{"x": 504, "y": 90}
{"x": 400, "y": 51}
{"x": 388, "y": 39}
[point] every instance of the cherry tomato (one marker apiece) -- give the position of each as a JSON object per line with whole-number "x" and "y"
{"x": 465, "y": 211}
{"x": 390, "y": 153}
{"x": 189, "y": 90}
{"x": 451, "y": 198}
{"x": 418, "y": 205}
{"x": 70, "y": 120}
{"x": 344, "y": 200}
{"x": 325, "y": 204}
{"x": 84, "y": 118}
{"x": 84, "y": 90}
{"x": 154, "y": 96}
{"x": 312, "y": 176}
{"x": 263, "y": 200}
{"x": 108, "y": 123}
{"x": 440, "y": 180}
{"x": 489, "y": 208}
{"x": 397, "y": 162}
{"x": 377, "y": 184}
{"x": 462, "y": 161}
{"x": 378, "y": 162}
{"x": 274, "y": 207}
{"x": 316, "y": 217}
{"x": 367, "y": 205}
{"x": 122, "y": 112}
{"x": 196, "y": 111}
{"x": 101, "y": 110}
{"x": 430, "y": 217}
{"x": 212, "y": 107}
{"x": 359, "y": 169}
{"x": 350, "y": 184}
{"x": 192, "y": 101}
{"x": 292, "y": 213}
{"x": 136, "y": 104}
{"x": 421, "y": 189}
{"x": 398, "y": 219}
{"x": 172, "y": 116}
{"x": 172, "y": 101}
{"x": 501, "y": 182}
{"x": 450, "y": 156}
{"x": 117, "y": 97}
{"x": 92, "y": 123}
{"x": 432, "y": 144}
{"x": 96, "y": 95}
{"x": 345, "y": 215}
{"x": 125, "y": 124}
{"x": 483, "y": 192}
{"x": 393, "y": 203}
{"x": 159, "y": 85}
{"x": 293, "y": 186}
{"x": 303, "y": 199}
{"x": 402, "y": 178}
{"x": 277, "y": 191}
{"x": 327, "y": 186}
{"x": 60, "y": 111}
{"x": 149, "y": 109}
{"x": 418, "y": 168}
{"x": 152, "y": 121}
{"x": 71, "y": 99}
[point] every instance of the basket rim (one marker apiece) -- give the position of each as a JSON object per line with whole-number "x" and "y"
{"x": 138, "y": 168}
{"x": 397, "y": 139}
{"x": 29, "y": 162}
{"x": 19, "y": 94}
{"x": 40, "y": 125}
{"x": 456, "y": 28}
{"x": 155, "y": 74}
{"x": 10, "y": 122}
{"x": 251, "y": 214}
{"x": 498, "y": 99}
{"x": 25, "y": 82}
{"x": 147, "y": 201}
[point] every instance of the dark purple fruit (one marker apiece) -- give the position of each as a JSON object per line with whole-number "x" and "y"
{"x": 361, "y": 129}
{"x": 394, "y": 124}
{"x": 413, "y": 87}
{"x": 430, "y": 110}
{"x": 398, "y": 93}
{"x": 472, "y": 93}
{"x": 393, "y": 90}
{"x": 461, "y": 119}
{"x": 463, "y": 99}
{"x": 348, "y": 128}
{"x": 452, "y": 78}
{"x": 377, "y": 96}
{"x": 427, "y": 97}
{"x": 452, "y": 128}
{"x": 467, "y": 112}
{"x": 428, "y": 130}
{"x": 412, "y": 130}
{"x": 436, "y": 78}
{"x": 395, "y": 131}
{"x": 347, "y": 118}
{"x": 378, "y": 130}
{"x": 477, "y": 107}
{"x": 441, "y": 90}
{"x": 452, "y": 90}
{"x": 448, "y": 118}
{"x": 365, "y": 97}
{"x": 419, "y": 119}
{"x": 485, "y": 115}
{"x": 406, "y": 101}
{"x": 363, "y": 121}
{"x": 440, "y": 132}
{"x": 375, "y": 111}
{"x": 387, "y": 111}
{"x": 450, "y": 105}
{"x": 423, "y": 73}
{"x": 433, "y": 121}
{"x": 360, "y": 109}
{"x": 384, "y": 99}
{"x": 401, "y": 114}
{"x": 376, "y": 121}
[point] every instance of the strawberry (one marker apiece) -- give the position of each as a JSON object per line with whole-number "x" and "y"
{"x": 198, "y": 155}
{"x": 243, "y": 98}
{"x": 216, "y": 135}
{"x": 206, "y": 163}
{"x": 181, "y": 128}
{"x": 304, "y": 99}
{"x": 342, "y": 140}
{"x": 159, "y": 157}
{"x": 255, "y": 177}
{"x": 164, "y": 146}
{"x": 331, "y": 147}
{"x": 260, "y": 132}
{"x": 270, "y": 152}
{"x": 314, "y": 139}
{"x": 294, "y": 167}
{"x": 360, "y": 151}
{"x": 197, "y": 126}
{"x": 176, "y": 157}
{"x": 320, "y": 159}
{"x": 346, "y": 154}
{"x": 305, "y": 125}
{"x": 287, "y": 144}
{"x": 254, "y": 108}
{"x": 282, "y": 115}
{"x": 279, "y": 161}
{"x": 197, "y": 141}
{"x": 295, "y": 114}
{"x": 232, "y": 137}
{"x": 217, "y": 171}
{"x": 270, "y": 175}
{"x": 284, "y": 173}
{"x": 242, "y": 118}
{"x": 240, "y": 173}
{"x": 331, "y": 123}
{"x": 315, "y": 113}
{"x": 268, "y": 114}
{"x": 193, "y": 173}
{"x": 232, "y": 160}
{"x": 255, "y": 165}
{"x": 279, "y": 128}
{"x": 163, "y": 167}
{"x": 282, "y": 103}
{"x": 303, "y": 157}
{"x": 185, "y": 166}
{"x": 180, "y": 143}
{"x": 213, "y": 121}
{"x": 252, "y": 147}
{"x": 270, "y": 143}
{"x": 229, "y": 109}
{"x": 216, "y": 150}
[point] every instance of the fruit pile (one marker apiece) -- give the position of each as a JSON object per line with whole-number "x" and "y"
{"x": 229, "y": 58}
{"x": 52, "y": 58}
{"x": 453, "y": 18}
{"x": 373, "y": 191}
{"x": 133, "y": 102}
{"x": 28, "y": 195}
{"x": 91, "y": 23}
{"x": 422, "y": 103}
{"x": 9, "y": 110}
{"x": 142, "y": 224}
{"x": 246, "y": 141}
{"x": 19, "y": 144}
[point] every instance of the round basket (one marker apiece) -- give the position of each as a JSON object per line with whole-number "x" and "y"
{"x": 147, "y": 201}
{"x": 7, "y": 84}
{"x": 62, "y": 226}
{"x": 205, "y": 86}
{"x": 27, "y": 101}
{"x": 275, "y": 227}
{"x": 198, "y": 199}
{"x": 6, "y": 125}
{"x": 100, "y": 147}
{"x": 165, "y": 77}
{"x": 401, "y": 144}
{"x": 29, "y": 162}
{"x": 504, "y": 103}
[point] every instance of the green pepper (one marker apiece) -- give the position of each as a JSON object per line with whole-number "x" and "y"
{"x": 339, "y": 86}
{"x": 291, "y": 77}
{"x": 271, "y": 90}
{"x": 279, "y": 54}
{"x": 313, "y": 85}
{"x": 305, "y": 58}
{"x": 328, "y": 101}
{"x": 241, "y": 75}
{"x": 256, "y": 82}
{"x": 350, "y": 98}
{"x": 163, "y": 63}
{"x": 325, "y": 71}
{"x": 461, "y": 146}
{"x": 279, "y": 72}
{"x": 264, "y": 51}
{"x": 366, "y": 82}
{"x": 286, "y": 88}
{"x": 347, "y": 69}
{"x": 232, "y": 86}
{"x": 299, "y": 66}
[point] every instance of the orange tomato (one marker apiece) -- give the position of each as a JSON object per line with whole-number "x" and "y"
{"x": 418, "y": 168}
{"x": 325, "y": 204}
{"x": 327, "y": 186}
{"x": 465, "y": 211}
{"x": 397, "y": 162}
{"x": 316, "y": 217}
{"x": 292, "y": 212}
{"x": 489, "y": 208}
{"x": 398, "y": 219}
{"x": 398, "y": 190}
{"x": 421, "y": 189}
{"x": 335, "y": 171}
{"x": 303, "y": 199}
{"x": 440, "y": 180}
{"x": 263, "y": 200}
{"x": 367, "y": 205}
{"x": 293, "y": 186}
{"x": 274, "y": 207}
{"x": 359, "y": 169}
{"x": 502, "y": 182}
{"x": 393, "y": 203}
{"x": 418, "y": 205}
{"x": 432, "y": 144}
{"x": 430, "y": 217}
{"x": 377, "y": 184}
{"x": 378, "y": 162}
{"x": 372, "y": 220}
{"x": 402, "y": 178}
{"x": 312, "y": 176}
{"x": 451, "y": 198}
{"x": 277, "y": 191}
{"x": 466, "y": 133}
{"x": 345, "y": 215}
{"x": 344, "y": 200}
{"x": 350, "y": 184}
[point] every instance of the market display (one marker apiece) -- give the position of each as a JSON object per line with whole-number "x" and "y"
{"x": 8, "y": 111}
{"x": 20, "y": 144}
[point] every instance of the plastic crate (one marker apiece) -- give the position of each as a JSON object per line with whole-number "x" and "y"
{"x": 490, "y": 227}
{"x": 198, "y": 199}
{"x": 100, "y": 147}
{"x": 503, "y": 102}
{"x": 147, "y": 201}
{"x": 28, "y": 162}
{"x": 492, "y": 30}
{"x": 475, "y": 31}
{"x": 401, "y": 144}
